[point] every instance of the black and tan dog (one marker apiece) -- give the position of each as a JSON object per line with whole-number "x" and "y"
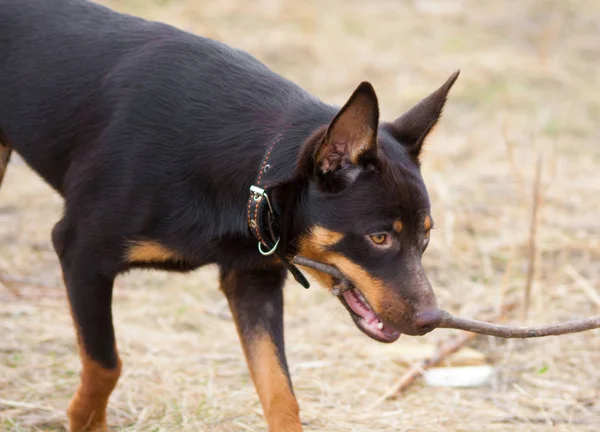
{"x": 154, "y": 138}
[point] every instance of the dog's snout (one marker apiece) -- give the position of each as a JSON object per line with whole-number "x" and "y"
{"x": 428, "y": 320}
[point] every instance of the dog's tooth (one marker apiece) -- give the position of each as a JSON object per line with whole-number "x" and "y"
{"x": 380, "y": 325}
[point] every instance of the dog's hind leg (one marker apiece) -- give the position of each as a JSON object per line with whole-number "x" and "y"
{"x": 256, "y": 301}
{"x": 5, "y": 152}
{"x": 89, "y": 289}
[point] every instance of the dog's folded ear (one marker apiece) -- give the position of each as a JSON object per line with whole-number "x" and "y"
{"x": 350, "y": 140}
{"x": 411, "y": 128}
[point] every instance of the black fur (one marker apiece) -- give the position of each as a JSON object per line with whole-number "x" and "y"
{"x": 167, "y": 128}
{"x": 151, "y": 133}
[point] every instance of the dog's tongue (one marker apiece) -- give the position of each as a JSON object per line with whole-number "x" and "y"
{"x": 360, "y": 308}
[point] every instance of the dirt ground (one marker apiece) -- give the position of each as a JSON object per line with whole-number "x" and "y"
{"x": 530, "y": 83}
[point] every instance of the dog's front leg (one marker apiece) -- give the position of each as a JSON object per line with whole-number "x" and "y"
{"x": 89, "y": 290}
{"x": 256, "y": 301}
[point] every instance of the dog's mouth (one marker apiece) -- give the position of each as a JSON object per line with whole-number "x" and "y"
{"x": 365, "y": 317}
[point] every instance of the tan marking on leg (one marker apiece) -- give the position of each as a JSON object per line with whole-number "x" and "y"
{"x": 151, "y": 252}
{"x": 87, "y": 408}
{"x": 279, "y": 403}
{"x": 272, "y": 385}
{"x": 427, "y": 223}
{"x": 397, "y": 225}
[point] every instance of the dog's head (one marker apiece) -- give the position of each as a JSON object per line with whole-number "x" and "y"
{"x": 369, "y": 215}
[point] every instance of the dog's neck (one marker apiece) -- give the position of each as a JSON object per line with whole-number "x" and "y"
{"x": 239, "y": 145}
{"x": 288, "y": 152}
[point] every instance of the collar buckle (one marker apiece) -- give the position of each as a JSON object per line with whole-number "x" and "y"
{"x": 260, "y": 193}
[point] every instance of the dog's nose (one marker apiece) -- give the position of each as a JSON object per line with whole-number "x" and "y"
{"x": 428, "y": 320}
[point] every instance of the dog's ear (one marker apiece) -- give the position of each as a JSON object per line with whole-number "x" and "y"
{"x": 352, "y": 134}
{"x": 412, "y": 127}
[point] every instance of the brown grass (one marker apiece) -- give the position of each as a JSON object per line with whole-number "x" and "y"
{"x": 529, "y": 76}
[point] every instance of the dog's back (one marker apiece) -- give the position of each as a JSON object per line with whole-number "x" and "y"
{"x": 45, "y": 119}
{"x": 104, "y": 71}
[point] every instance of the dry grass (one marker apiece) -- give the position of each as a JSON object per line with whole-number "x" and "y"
{"x": 529, "y": 81}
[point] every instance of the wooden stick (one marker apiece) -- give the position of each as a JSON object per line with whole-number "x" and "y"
{"x": 513, "y": 332}
{"x": 480, "y": 327}
{"x": 316, "y": 265}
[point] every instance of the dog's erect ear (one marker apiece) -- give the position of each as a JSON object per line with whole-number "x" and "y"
{"x": 351, "y": 134}
{"x": 412, "y": 127}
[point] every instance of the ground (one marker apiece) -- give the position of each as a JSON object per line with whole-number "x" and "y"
{"x": 529, "y": 85}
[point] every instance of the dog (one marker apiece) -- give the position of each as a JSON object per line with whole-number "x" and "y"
{"x": 173, "y": 151}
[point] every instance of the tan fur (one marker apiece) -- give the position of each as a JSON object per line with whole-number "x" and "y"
{"x": 279, "y": 403}
{"x": 372, "y": 288}
{"x": 397, "y": 225}
{"x": 272, "y": 385}
{"x": 427, "y": 223}
{"x": 314, "y": 246}
{"x": 150, "y": 252}
{"x": 322, "y": 238}
{"x": 87, "y": 409}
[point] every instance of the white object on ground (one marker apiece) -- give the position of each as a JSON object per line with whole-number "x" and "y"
{"x": 466, "y": 376}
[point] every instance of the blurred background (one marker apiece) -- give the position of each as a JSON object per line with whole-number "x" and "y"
{"x": 528, "y": 96}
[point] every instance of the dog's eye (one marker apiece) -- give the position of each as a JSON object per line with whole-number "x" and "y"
{"x": 378, "y": 239}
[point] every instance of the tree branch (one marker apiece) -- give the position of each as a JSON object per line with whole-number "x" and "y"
{"x": 505, "y": 331}
{"x": 480, "y": 327}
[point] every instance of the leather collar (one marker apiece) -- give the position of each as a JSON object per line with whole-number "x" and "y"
{"x": 262, "y": 216}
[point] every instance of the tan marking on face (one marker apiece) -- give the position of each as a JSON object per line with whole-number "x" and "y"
{"x": 397, "y": 225}
{"x": 148, "y": 251}
{"x": 371, "y": 287}
{"x": 427, "y": 223}
{"x": 385, "y": 303}
{"x": 323, "y": 238}
{"x": 87, "y": 408}
{"x": 314, "y": 245}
